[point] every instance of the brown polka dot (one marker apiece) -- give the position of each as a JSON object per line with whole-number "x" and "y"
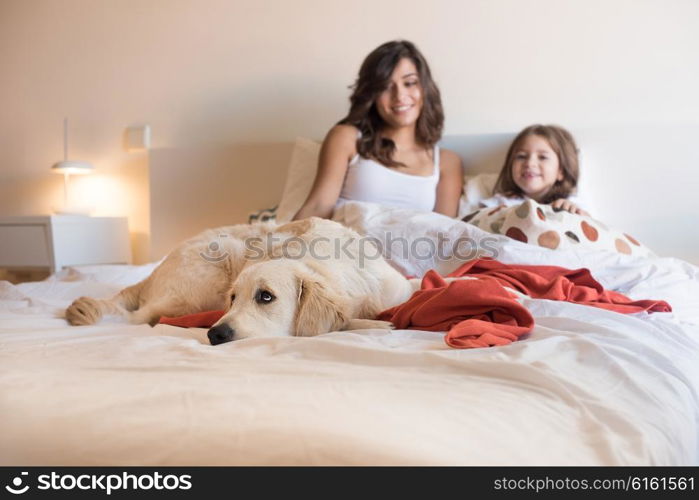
{"x": 632, "y": 240}
{"x": 516, "y": 234}
{"x": 622, "y": 246}
{"x": 540, "y": 213}
{"x": 573, "y": 236}
{"x": 496, "y": 226}
{"x": 549, "y": 239}
{"x": 589, "y": 231}
{"x": 522, "y": 211}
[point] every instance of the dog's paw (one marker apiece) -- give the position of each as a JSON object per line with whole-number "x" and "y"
{"x": 368, "y": 324}
{"x": 83, "y": 311}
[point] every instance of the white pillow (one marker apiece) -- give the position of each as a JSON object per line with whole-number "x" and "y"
{"x": 476, "y": 188}
{"x": 299, "y": 178}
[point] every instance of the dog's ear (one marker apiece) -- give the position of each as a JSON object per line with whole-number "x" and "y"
{"x": 297, "y": 227}
{"x": 319, "y": 309}
{"x": 287, "y": 240}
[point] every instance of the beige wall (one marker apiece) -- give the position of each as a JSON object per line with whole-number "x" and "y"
{"x": 240, "y": 72}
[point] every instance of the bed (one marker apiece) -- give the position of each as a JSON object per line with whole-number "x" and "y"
{"x": 586, "y": 387}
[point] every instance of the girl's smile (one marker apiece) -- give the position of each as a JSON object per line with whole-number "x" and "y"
{"x": 535, "y": 168}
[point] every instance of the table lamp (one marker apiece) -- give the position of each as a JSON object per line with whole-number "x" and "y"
{"x": 68, "y": 167}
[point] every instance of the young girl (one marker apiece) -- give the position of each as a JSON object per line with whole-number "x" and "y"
{"x": 542, "y": 165}
{"x": 385, "y": 150}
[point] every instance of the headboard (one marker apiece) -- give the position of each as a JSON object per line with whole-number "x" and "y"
{"x": 195, "y": 188}
{"x": 639, "y": 179}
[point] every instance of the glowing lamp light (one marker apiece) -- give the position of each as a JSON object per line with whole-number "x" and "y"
{"x": 72, "y": 167}
{"x": 67, "y": 168}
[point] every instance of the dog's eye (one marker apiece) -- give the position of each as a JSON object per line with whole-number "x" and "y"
{"x": 264, "y": 297}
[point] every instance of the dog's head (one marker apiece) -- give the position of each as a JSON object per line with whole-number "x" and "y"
{"x": 280, "y": 298}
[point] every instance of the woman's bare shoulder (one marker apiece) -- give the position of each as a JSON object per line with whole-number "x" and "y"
{"x": 343, "y": 133}
{"x": 449, "y": 159}
{"x": 341, "y": 140}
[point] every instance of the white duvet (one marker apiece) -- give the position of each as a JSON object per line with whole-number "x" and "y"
{"x": 586, "y": 387}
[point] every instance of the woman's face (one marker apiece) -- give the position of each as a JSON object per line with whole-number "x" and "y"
{"x": 400, "y": 104}
{"x": 535, "y": 167}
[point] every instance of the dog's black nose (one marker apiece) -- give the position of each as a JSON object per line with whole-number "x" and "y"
{"x": 220, "y": 334}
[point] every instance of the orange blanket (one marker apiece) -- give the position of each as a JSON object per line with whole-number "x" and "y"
{"x": 481, "y": 312}
{"x": 204, "y": 319}
{"x": 558, "y": 283}
{"x": 475, "y": 313}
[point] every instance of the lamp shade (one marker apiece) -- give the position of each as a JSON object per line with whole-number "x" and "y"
{"x": 72, "y": 167}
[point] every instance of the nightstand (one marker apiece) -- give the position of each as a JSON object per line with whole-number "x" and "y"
{"x": 56, "y": 241}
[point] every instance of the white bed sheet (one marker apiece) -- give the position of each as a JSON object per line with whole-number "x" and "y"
{"x": 586, "y": 387}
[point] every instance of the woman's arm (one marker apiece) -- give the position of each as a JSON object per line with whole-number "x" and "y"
{"x": 450, "y": 185}
{"x": 338, "y": 149}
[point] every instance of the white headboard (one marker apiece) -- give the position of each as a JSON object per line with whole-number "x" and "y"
{"x": 643, "y": 180}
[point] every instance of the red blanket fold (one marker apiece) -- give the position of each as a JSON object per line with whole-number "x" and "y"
{"x": 480, "y": 313}
{"x": 558, "y": 283}
{"x": 475, "y": 313}
{"x": 204, "y": 319}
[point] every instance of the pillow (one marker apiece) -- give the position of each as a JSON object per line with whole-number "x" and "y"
{"x": 299, "y": 178}
{"x": 537, "y": 224}
{"x": 476, "y": 188}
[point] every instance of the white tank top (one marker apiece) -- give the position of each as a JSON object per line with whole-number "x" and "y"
{"x": 369, "y": 180}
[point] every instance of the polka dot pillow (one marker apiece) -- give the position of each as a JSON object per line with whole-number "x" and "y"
{"x": 537, "y": 224}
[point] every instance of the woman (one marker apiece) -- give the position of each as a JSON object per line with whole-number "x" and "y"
{"x": 385, "y": 151}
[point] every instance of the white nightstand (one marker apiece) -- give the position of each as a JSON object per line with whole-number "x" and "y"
{"x": 55, "y": 241}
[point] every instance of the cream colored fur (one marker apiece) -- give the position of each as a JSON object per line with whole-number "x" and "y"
{"x": 192, "y": 278}
{"x": 330, "y": 290}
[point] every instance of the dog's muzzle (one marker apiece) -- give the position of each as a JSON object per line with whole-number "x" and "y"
{"x": 220, "y": 334}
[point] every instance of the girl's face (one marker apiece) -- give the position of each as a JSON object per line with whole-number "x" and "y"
{"x": 400, "y": 104}
{"x": 535, "y": 167}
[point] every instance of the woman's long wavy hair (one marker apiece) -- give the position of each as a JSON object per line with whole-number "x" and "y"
{"x": 563, "y": 144}
{"x": 374, "y": 77}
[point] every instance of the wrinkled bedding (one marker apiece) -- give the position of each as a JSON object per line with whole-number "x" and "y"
{"x": 586, "y": 387}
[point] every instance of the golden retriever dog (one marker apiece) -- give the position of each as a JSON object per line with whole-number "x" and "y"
{"x": 307, "y": 297}
{"x": 194, "y": 277}
{"x": 312, "y": 276}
